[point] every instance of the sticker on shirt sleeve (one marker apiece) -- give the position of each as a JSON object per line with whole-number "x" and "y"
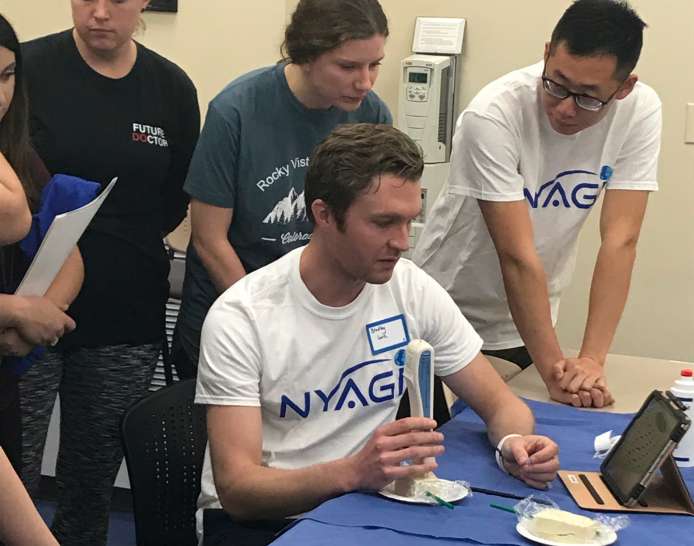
{"x": 387, "y": 334}
{"x": 606, "y": 173}
{"x": 400, "y": 358}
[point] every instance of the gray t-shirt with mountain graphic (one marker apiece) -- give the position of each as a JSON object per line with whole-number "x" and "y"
{"x": 252, "y": 157}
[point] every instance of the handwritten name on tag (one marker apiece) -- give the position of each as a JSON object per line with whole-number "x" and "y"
{"x": 387, "y": 334}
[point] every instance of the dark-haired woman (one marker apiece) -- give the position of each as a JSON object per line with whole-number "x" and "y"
{"x": 103, "y": 105}
{"x": 246, "y": 179}
{"x": 15, "y": 217}
{"x": 24, "y": 322}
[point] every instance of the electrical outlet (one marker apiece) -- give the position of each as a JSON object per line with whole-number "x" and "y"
{"x": 689, "y": 127}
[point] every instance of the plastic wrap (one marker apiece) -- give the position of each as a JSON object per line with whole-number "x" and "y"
{"x": 604, "y": 528}
{"x": 444, "y": 489}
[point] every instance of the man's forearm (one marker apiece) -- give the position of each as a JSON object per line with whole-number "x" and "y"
{"x": 221, "y": 262}
{"x": 514, "y": 418}
{"x": 259, "y": 492}
{"x": 608, "y": 295}
{"x": 526, "y": 290}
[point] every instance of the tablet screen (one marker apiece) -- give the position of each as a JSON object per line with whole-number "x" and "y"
{"x": 644, "y": 441}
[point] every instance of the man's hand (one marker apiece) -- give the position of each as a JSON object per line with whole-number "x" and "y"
{"x": 12, "y": 344}
{"x": 378, "y": 462}
{"x": 560, "y": 395}
{"x": 40, "y": 321}
{"x": 579, "y": 373}
{"x": 584, "y": 377}
{"x": 532, "y": 459}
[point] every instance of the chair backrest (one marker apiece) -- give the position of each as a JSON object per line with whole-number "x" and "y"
{"x": 164, "y": 438}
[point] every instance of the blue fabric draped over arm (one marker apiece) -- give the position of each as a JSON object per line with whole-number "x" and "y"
{"x": 61, "y": 194}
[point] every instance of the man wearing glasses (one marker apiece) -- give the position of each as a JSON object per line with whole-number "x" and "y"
{"x": 531, "y": 155}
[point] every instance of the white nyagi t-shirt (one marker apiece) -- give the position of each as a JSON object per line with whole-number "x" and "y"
{"x": 324, "y": 377}
{"x": 504, "y": 149}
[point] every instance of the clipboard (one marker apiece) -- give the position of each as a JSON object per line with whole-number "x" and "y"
{"x": 60, "y": 239}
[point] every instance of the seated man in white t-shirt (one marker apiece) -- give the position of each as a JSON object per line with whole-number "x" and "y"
{"x": 531, "y": 155}
{"x": 302, "y": 397}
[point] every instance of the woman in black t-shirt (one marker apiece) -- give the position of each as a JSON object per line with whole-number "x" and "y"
{"x": 104, "y": 106}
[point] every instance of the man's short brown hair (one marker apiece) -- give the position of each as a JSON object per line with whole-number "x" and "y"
{"x": 350, "y": 160}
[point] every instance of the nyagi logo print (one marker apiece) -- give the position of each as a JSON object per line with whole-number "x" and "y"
{"x": 380, "y": 388}
{"x": 566, "y": 191}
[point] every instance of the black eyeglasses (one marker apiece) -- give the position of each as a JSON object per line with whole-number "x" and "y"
{"x": 586, "y": 102}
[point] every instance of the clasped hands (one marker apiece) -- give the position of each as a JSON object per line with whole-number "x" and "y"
{"x": 37, "y": 321}
{"x": 580, "y": 382}
{"x": 530, "y": 458}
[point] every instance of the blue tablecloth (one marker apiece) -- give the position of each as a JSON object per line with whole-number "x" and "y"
{"x": 314, "y": 533}
{"x": 469, "y": 457}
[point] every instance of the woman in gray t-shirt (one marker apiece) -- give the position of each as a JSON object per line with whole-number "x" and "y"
{"x": 246, "y": 179}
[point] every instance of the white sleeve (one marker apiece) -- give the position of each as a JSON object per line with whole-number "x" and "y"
{"x": 444, "y": 327}
{"x": 230, "y": 364}
{"x": 636, "y": 166}
{"x": 485, "y": 159}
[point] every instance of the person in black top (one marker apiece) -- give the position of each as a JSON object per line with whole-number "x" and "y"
{"x": 24, "y": 322}
{"x": 103, "y": 105}
{"x": 37, "y": 318}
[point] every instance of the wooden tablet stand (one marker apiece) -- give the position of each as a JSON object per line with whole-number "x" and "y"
{"x": 666, "y": 494}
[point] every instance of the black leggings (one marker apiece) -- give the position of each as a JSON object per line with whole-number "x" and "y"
{"x": 517, "y": 355}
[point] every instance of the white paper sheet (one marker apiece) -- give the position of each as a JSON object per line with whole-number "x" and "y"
{"x": 438, "y": 35}
{"x": 61, "y": 238}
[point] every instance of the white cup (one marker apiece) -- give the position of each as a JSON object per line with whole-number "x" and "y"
{"x": 683, "y": 389}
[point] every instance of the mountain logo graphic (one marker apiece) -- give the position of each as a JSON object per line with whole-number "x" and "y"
{"x": 289, "y": 209}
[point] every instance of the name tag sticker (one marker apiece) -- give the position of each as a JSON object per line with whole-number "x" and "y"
{"x": 387, "y": 334}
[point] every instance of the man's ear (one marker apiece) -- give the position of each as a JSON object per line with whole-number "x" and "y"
{"x": 546, "y": 55}
{"x": 322, "y": 214}
{"x": 627, "y": 87}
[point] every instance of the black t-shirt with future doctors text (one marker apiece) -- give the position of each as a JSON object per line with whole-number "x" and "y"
{"x": 141, "y": 128}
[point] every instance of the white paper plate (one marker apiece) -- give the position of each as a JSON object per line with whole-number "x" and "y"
{"x": 608, "y": 536}
{"x": 456, "y": 492}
